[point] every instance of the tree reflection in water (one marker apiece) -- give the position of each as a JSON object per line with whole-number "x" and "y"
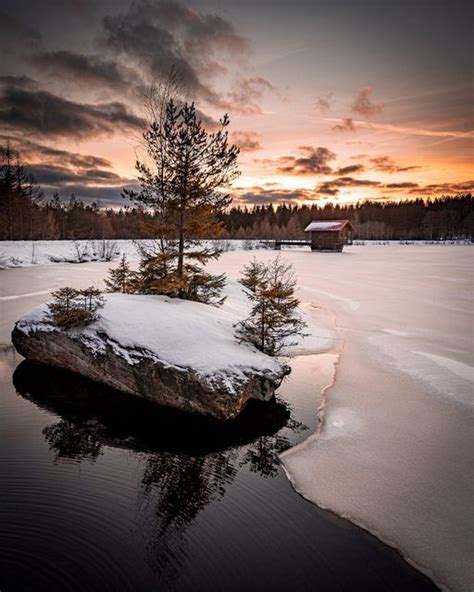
{"x": 70, "y": 441}
{"x": 189, "y": 460}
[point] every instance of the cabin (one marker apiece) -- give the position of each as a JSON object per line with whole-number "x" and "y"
{"x": 330, "y": 235}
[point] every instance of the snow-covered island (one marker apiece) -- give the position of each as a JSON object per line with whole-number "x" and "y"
{"x": 178, "y": 353}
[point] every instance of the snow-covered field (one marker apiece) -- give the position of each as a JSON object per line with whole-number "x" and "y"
{"x": 27, "y": 253}
{"x": 395, "y": 451}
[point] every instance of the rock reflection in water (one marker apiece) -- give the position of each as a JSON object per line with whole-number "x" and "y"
{"x": 119, "y": 420}
{"x": 189, "y": 460}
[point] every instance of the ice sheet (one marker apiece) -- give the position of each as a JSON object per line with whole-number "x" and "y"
{"x": 395, "y": 453}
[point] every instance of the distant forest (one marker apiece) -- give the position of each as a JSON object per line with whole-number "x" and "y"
{"x": 26, "y": 215}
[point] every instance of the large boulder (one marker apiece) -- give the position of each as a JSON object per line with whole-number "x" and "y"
{"x": 176, "y": 353}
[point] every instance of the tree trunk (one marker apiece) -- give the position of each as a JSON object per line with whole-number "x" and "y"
{"x": 181, "y": 241}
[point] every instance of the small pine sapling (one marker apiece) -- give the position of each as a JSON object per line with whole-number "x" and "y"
{"x": 74, "y": 308}
{"x": 272, "y": 324}
{"x": 93, "y": 299}
{"x": 121, "y": 278}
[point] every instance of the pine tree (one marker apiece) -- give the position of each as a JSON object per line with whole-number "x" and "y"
{"x": 122, "y": 278}
{"x": 252, "y": 275}
{"x": 182, "y": 183}
{"x": 273, "y": 322}
{"x": 74, "y": 308}
{"x": 93, "y": 299}
{"x": 19, "y": 198}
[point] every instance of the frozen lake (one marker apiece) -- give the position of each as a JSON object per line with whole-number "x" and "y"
{"x": 394, "y": 452}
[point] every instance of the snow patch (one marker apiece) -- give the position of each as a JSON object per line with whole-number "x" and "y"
{"x": 396, "y": 332}
{"x": 27, "y": 295}
{"x": 462, "y": 370}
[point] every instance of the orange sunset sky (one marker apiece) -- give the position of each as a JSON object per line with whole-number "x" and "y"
{"x": 335, "y": 100}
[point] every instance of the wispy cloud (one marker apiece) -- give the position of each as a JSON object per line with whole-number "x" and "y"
{"x": 398, "y": 129}
{"x": 247, "y": 141}
{"x": 363, "y": 104}
{"x": 333, "y": 186}
{"x": 386, "y": 164}
{"x": 323, "y": 102}
{"x": 350, "y": 169}
{"x": 343, "y": 125}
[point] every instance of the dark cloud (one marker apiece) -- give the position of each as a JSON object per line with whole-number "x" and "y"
{"x": 13, "y": 29}
{"x": 402, "y": 185}
{"x": 49, "y": 115}
{"x": 245, "y": 96}
{"x": 385, "y": 164}
{"x": 247, "y": 141}
{"x": 363, "y": 104}
{"x": 250, "y": 90}
{"x": 89, "y": 177}
{"x": 162, "y": 35}
{"x": 264, "y": 195}
{"x": 87, "y": 69}
{"x": 88, "y": 184}
{"x": 32, "y": 152}
{"x": 332, "y": 187}
{"x": 61, "y": 177}
{"x": 349, "y": 170}
{"x": 18, "y": 81}
{"x": 108, "y": 196}
{"x": 323, "y": 102}
{"x": 346, "y": 125}
{"x": 313, "y": 161}
{"x": 444, "y": 188}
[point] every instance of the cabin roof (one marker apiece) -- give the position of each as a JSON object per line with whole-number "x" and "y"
{"x": 327, "y": 225}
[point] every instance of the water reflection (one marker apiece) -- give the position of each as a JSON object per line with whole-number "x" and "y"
{"x": 139, "y": 498}
{"x": 189, "y": 460}
{"x": 119, "y": 420}
{"x": 69, "y": 441}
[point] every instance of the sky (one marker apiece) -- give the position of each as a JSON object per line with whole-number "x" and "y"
{"x": 338, "y": 100}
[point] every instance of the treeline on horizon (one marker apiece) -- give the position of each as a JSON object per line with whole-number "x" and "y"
{"x": 25, "y": 214}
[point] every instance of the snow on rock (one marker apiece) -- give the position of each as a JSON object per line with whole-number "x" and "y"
{"x": 179, "y": 353}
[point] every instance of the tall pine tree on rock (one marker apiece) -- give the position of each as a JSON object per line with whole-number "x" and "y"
{"x": 182, "y": 182}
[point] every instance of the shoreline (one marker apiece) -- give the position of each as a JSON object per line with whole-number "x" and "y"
{"x": 309, "y": 449}
{"x": 321, "y": 417}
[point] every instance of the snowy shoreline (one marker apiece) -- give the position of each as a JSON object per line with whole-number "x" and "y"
{"x": 393, "y": 451}
{"x": 321, "y": 415}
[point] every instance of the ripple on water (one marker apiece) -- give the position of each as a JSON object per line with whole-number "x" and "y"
{"x": 102, "y": 492}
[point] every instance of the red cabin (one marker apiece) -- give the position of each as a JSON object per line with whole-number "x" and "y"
{"x": 330, "y": 235}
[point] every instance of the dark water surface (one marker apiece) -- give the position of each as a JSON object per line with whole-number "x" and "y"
{"x": 101, "y": 492}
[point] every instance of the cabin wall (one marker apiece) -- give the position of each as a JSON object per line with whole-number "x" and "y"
{"x": 326, "y": 241}
{"x": 348, "y": 236}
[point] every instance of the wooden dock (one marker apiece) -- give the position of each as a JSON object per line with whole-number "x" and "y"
{"x": 278, "y": 243}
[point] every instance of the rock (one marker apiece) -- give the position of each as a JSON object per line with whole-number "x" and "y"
{"x": 219, "y": 390}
